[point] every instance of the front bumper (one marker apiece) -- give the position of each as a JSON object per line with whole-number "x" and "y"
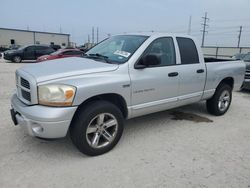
{"x": 42, "y": 121}
{"x": 246, "y": 84}
{"x": 7, "y": 57}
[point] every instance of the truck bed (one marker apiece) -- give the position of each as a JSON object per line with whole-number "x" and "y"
{"x": 213, "y": 60}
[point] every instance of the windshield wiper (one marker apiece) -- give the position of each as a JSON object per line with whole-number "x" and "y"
{"x": 100, "y": 56}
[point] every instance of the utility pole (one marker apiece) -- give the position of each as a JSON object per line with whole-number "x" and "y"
{"x": 97, "y": 35}
{"x": 239, "y": 37}
{"x": 204, "y": 31}
{"x": 88, "y": 39}
{"x": 93, "y": 35}
{"x": 189, "y": 25}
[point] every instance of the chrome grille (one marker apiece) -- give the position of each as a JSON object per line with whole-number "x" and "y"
{"x": 26, "y": 95}
{"x": 25, "y": 83}
{"x": 247, "y": 75}
{"x": 23, "y": 89}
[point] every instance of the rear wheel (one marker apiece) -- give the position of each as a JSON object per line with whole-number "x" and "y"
{"x": 17, "y": 59}
{"x": 220, "y": 102}
{"x": 97, "y": 128}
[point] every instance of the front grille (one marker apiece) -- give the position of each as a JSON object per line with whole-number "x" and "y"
{"x": 25, "y": 83}
{"x": 26, "y": 95}
{"x": 247, "y": 75}
{"x": 23, "y": 89}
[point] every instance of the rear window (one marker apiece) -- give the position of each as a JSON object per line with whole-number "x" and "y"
{"x": 188, "y": 51}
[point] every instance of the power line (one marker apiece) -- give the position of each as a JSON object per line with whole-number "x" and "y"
{"x": 205, "y": 25}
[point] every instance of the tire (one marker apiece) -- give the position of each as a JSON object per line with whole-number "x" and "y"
{"x": 220, "y": 102}
{"x": 88, "y": 132}
{"x": 17, "y": 59}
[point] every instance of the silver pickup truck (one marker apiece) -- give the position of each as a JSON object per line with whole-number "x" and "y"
{"x": 122, "y": 77}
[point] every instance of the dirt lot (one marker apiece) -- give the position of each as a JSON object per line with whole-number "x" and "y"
{"x": 184, "y": 147}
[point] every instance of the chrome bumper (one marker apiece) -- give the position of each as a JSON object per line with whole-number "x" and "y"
{"x": 42, "y": 121}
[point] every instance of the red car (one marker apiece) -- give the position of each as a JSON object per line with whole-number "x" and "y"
{"x": 62, "y": 53}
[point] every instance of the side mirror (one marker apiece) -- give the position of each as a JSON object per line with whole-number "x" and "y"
{"x": 148, "y": 60}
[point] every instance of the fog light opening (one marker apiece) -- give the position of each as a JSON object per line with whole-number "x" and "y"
{"x": 37, "y": 128}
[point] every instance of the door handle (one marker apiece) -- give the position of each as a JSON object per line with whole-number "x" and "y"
{"x": 200, "y": 71}
{"x": 173, "y": 74}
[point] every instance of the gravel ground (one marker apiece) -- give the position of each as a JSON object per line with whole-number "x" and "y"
{"x": 184, "y": 147}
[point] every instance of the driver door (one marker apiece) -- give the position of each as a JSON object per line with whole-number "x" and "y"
{"x": 155, "y": 88}
{"x": 29, "y": 53}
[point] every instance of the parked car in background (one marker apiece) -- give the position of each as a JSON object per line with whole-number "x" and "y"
{"x": 239, "y": 56}
{"x": 31, "y": 52}
{"x": 61, "y": 54}
{"x": 2, "y": 49}
{"x": 246, "y": 84}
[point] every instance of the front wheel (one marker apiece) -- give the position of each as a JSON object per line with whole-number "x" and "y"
{"x": 17, "y": 59}
{"x": 97, "y": 128}
{"x": 220, "y": 102}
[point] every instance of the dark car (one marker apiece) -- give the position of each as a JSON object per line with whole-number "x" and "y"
{"x": 62, "y": 53}
{"x": 31, "y": 52}
{"x": 246, "y": 84}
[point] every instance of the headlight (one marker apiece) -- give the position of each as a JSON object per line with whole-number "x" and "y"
{"x": 56, "y": 95}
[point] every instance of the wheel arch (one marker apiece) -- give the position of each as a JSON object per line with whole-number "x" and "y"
{"x": 228, "y": 80}
{"x": 113, "y": 98}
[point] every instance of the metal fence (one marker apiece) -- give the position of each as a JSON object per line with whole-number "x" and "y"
{"x": 223, "y": 52}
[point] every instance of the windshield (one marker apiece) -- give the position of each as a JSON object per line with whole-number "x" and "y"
{"x": 22, "y": 47}
{"x": 57, "y": 52}
{"x": 118, "y": 48}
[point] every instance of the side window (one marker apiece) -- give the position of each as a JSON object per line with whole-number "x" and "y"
{"x": 40, "y": 48}
{"x": 188, "y": 51}
{"x": 164, "y": 49}
{"x": 30, "y": 49}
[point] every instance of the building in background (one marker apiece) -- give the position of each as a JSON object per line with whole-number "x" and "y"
{"x": 18, "y": 37}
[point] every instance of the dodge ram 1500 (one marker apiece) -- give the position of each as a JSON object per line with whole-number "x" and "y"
{"x": 123, "y": 77}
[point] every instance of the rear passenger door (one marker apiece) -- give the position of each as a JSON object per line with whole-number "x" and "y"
{"x": 43, "y": 50}
{"x": 192, "y": 72}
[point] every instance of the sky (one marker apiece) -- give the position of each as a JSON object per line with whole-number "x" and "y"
{"x": 77, "y": 17}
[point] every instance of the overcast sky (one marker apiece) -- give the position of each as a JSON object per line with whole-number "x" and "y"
{"x": 77, "y": 17}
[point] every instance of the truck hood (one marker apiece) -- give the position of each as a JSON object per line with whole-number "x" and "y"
{"x": 66, "y": 67}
